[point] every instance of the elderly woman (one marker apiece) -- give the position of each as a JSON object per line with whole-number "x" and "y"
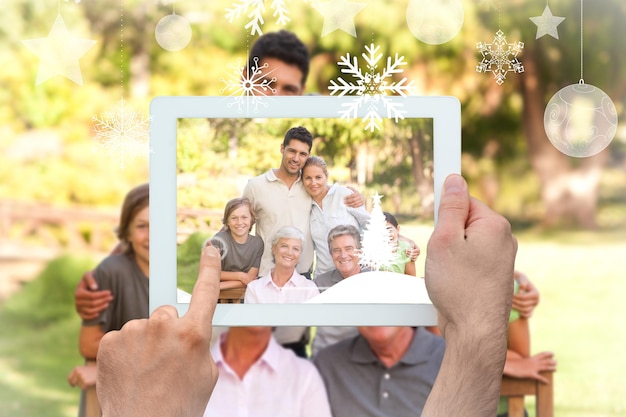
{"x": 285, "y": 285}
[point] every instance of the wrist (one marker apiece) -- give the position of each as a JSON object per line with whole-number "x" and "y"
{"x": 480, "y": 345}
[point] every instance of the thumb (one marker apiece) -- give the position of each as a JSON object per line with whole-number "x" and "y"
{"x": 453, "y": 206}
{"x": 90, "y": 281}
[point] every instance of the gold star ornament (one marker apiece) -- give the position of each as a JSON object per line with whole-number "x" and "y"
{"x": 59, "y": 53}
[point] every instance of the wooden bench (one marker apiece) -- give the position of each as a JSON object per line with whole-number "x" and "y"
{"x": 232, "y": 296}
{"x": 516, "y": 388}
{"x": 92, "y": 406}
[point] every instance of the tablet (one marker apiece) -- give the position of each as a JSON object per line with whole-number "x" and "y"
{"x": 168, "y": 114}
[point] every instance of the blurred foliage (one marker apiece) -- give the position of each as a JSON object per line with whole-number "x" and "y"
{"x": 130, "y": 63}
{"x": 215, "y": 157}
{"x": 50, "y": 296}
{"x": 188, "y": 259}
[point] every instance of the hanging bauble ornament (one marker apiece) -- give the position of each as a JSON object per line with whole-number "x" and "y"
{"x": 173, "y": 32}
{"x": 435, "y": 21}
{"x": 580, "y": 120}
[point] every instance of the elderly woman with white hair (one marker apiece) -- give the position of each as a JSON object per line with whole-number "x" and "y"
{"x": 285, "y": 285}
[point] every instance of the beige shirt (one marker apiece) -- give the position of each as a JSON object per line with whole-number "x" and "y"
{"x": 276, "y": 205}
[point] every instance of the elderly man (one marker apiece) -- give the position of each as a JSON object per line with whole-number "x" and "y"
{"x": 344, "y": 244}
{"x": 391, "y": 371}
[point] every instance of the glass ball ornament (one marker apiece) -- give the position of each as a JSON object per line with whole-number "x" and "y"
{"x": 435, "y": 21}
{"x": 173, "y": 32}
{"x": 580, "y": 120}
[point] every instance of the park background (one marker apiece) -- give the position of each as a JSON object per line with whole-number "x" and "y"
{"x": 568, "y": 213}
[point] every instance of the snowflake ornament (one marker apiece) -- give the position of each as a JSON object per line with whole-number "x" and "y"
{"x": 248, "y": 84}
{"x": 371, "y": 87}
{"x": 500, "y": 57}
{"x": 254, "y": 10}
{"x": 122, "y": 133}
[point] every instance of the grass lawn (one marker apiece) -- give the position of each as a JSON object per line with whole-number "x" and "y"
{"x": 580, "y": 276}
{"x": 39, "y": 343}
{"x": 581, "y": 319}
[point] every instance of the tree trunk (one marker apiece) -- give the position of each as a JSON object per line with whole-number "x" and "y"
{"x": 365, "y": 161}
{"x": 423, "y": 183}
{"x": 569, "y": 187}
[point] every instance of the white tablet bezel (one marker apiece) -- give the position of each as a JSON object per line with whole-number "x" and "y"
{"x": 164, "y": 113}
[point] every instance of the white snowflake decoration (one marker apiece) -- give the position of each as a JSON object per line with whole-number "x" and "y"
{"x": 377, "y": 249}
{"x": 254, "y": 10}
{"x": 500, "y": 57}
{"x": 371, "y": 87}
{"x": 122, "y": 133}
{"x": 248, "y": 84}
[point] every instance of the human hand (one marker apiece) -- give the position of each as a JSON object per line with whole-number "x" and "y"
{"x": 531, "y": 367}
{"x": 355, "y": 199}
{"x": 527, "y": 296}
{"x": 469, "y": 266}
{"x": 83, "y": 376}
{"x": 469, "y": 277}
{"x": 88, "y": 301}
{"x": 162, "y": 366}
{"x": 414, "y": 251}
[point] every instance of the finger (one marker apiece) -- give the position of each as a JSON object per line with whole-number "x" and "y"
{"x": 90, "y": 280}
{"x": 453, "y": 207}
{"x": 101, "y": 299}
{"x": 94, "y": 300}
{"x": 522, "y": 279}
{"x": 207, "y": 287}
{"x": 94, "y": 308}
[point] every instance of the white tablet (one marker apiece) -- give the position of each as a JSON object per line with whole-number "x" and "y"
{"x": 168, "y": 114}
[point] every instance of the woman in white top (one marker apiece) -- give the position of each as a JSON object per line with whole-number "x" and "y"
{"x": 285, "y": 285}
{"x": 328, "y": 210}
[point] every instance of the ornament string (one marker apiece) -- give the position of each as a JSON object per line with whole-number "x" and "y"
{"x": 499, "y": 12}
{"x": 122, "y": 49}
{"x": 582, "y": 81}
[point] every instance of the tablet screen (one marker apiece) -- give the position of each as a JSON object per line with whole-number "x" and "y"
{"x": 205, "y": 149}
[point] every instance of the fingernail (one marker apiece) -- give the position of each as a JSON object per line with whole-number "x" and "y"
{"x": 454, "y": 184}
